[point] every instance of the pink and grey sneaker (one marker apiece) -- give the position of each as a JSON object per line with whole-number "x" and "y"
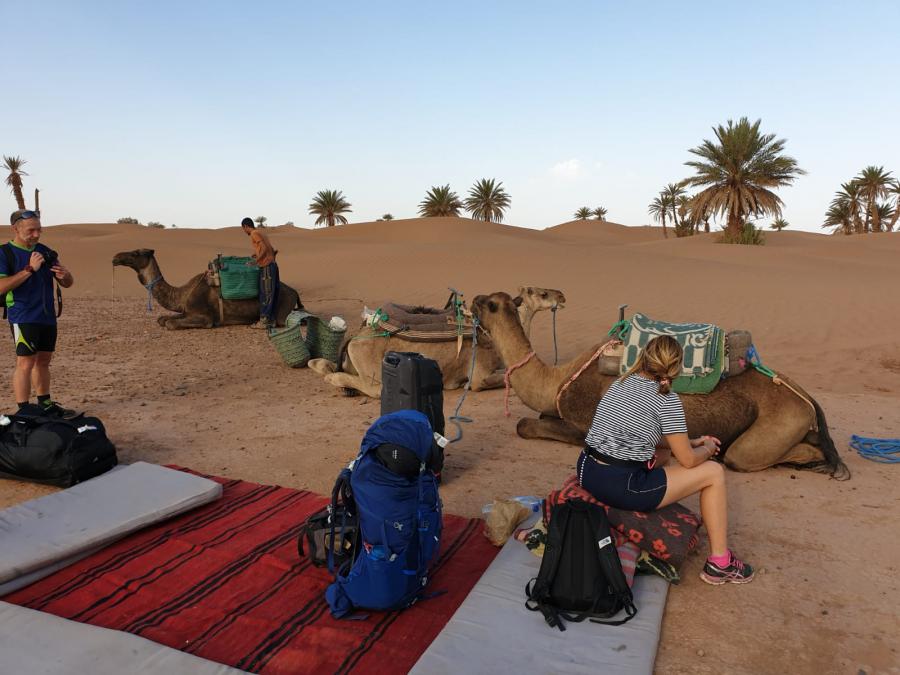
{"x": 735, "y": 572}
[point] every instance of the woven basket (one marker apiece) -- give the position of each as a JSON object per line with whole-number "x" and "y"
{"x": 322, "y": 341}
{"x": 239, "y": 277}
{"x": 290, "y": 344}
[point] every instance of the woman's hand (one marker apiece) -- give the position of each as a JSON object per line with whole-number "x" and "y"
{"x": 710, "y": 444}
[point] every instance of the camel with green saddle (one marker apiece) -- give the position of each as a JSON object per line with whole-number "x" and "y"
{"x": 444, "y": 335}
{"x": 762, "y": 421}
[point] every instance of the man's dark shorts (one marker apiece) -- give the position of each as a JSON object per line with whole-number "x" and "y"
{"x": 31, "y": 338}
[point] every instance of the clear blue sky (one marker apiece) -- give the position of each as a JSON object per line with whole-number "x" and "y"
{"x": 198, "y": 113}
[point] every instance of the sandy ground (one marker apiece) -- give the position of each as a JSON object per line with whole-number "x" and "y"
{"x": 823, "y": 309}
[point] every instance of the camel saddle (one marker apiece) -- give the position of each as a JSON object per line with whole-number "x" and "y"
{"x": 421, "y": 324}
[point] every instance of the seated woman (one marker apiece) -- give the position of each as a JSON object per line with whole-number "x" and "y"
{"x": 638, "y": 413}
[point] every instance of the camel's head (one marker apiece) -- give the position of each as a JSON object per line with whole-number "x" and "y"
{"x": 137, "y": 260}
{"x": 494, "y": 308}
{"x": 538, "y": 299}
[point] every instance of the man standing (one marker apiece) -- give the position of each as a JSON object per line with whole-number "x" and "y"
{"x": 27, "y": 272}
{"x": 264, "y": 255}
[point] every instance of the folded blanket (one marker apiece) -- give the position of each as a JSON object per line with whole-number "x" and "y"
{"x": 669, "y": 533}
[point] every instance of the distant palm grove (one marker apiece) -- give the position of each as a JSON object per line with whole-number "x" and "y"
{"x": 862, "y": 206}
{"x": 735, "y": 179}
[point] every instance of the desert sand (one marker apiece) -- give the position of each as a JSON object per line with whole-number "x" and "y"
{"x": 822, "y": 309}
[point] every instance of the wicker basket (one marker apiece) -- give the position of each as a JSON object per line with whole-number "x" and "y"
{"x": 239, "y": 277}
{"x": 290, "y": 344}
{"x": 323, "y": 342}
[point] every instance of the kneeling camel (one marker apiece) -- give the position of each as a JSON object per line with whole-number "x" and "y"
{"x": 760, "y": 423}
{"x": 197, "y": 303}
{"x": 361, "y": 356}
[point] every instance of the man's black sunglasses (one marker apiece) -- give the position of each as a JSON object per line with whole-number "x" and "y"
{"x": 26, "y": 215}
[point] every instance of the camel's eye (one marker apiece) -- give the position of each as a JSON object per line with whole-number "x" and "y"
{"x": 544, "y": 295}
{"x": 492, "y": 306}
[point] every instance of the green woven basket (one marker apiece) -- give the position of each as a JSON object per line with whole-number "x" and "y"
{"x": 322, "y": 341}
{"x": 290, "y": 344}
{"x": 239, "y": 277}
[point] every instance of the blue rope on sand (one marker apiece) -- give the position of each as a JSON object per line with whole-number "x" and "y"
{"x": 881, "y": 450}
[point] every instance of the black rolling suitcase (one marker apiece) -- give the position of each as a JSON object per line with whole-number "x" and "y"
{"x": 409, "y": 381}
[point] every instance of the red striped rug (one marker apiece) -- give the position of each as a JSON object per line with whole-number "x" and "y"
{"x": 225, "y": 582}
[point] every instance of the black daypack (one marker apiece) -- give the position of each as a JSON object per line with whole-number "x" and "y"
{"x": 53, "y": 450}
{"x": 581, "y": 575}
{"x": 334, "y": 530}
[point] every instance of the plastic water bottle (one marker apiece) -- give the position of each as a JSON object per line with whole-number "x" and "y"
{"x": 531, "y": 502}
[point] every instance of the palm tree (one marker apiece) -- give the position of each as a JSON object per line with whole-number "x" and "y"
{"x": 387, "y": 216}
{"x": 895, "y": 191}
{"x": 329, "y": 205}
{"x": 874, "y": 183}
{"x": 659, "y": 209}
{"x": 440, "y": 201}
{"x": 600, "y": 213}
{"x": 779, "y": 224}
{"x": 260, "y": 220}
{"x": 583, "y": 213}
{"x": 884, "y": 211}
{"x": 740, "y": 171}
{"x": 14, "y": 179}
{"x": 839, "y": 217}
{"x": 850, "y": 196}
{"x": 487, "y": 200}
{"x": 672, "y": 192}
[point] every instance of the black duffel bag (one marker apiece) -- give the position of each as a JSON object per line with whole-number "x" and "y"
{"x": 54, "y": 450}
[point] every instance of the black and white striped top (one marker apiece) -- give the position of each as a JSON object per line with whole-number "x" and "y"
{"x": 632, "y": 417}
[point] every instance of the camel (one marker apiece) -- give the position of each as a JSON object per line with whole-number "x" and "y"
{"x": 760, "y": 423}
{"x": 361, "y": 357}
{"x": 198, "y": 305}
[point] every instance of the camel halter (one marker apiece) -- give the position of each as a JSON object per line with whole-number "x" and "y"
{"x": 506, "y": 375}
{"x": 149, "y": 288}
{"x": 597, "y": 354}
{"x": 555, "y": 348}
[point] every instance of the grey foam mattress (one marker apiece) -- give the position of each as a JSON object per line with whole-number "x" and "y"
{"x": 37, "y": 643}
{"x": 45, "y": 534}
{"x": 492, "y": 632}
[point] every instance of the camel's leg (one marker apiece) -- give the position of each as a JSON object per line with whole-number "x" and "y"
{"x": 803, "y": 453}
{"x": 491, "y": 381}
{"x": 322, "y": 366}
{"x": 348, "y": 381}
{"x": 193, "y": 321}
{"x": 165, "y": 318}
{"x": 553, "y": 429}
{"x": 766, "y": 443}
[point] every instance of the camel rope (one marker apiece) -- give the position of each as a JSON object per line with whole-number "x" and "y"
{"x": 782, "y": 382}
{"x": 149, "y": 288}
{"x": 597, "y": 355}
{"x": 506, "y": 375}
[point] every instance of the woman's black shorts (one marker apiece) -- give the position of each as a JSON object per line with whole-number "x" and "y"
{"x": 630, "y": 489}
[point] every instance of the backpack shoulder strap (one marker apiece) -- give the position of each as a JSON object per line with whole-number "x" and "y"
{"x": 10, "y": 265}
{"x": 341, "y": 496}
{"x": 610, "y": 565}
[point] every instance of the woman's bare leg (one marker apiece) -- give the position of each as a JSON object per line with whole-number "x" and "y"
{"x": 709, "y": 480}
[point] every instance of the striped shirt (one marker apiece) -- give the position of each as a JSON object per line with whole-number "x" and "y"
{"x": 632, "y": 418}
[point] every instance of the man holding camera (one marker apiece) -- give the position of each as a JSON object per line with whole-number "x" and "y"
{"x": 27, "y": 272}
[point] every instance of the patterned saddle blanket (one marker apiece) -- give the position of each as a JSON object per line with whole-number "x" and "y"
{"x": 703, "y": 345}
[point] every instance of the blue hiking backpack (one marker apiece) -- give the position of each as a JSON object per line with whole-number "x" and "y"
{"x": 399, "y": 517}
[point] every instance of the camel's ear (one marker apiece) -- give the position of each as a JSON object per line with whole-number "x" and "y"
{"x": 521, "y": 290}
{"x": 517, "y": 301}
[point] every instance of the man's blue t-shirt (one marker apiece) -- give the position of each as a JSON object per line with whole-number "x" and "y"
{"x": 32, "y": 302}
